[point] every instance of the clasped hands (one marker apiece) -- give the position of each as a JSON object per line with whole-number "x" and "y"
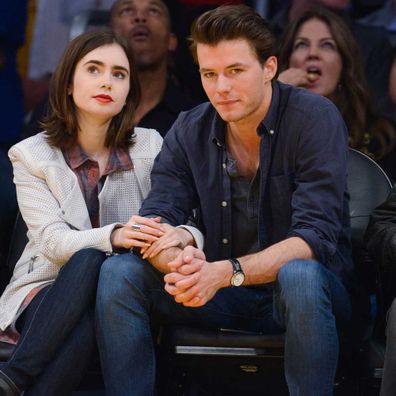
{"x": 193, "y": 281}
{"x": 150, "y": 235}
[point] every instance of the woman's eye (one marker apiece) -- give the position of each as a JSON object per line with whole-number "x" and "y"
{"x": 300, "y": 45}
{"x": 119, "y": 74}
{"x": 92, "y": 69}
{"x": 328, "y": 44}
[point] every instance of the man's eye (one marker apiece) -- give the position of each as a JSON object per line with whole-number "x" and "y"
{"x": 235, "y": 71}
{"x": 128, "y": 11}
{"x": 154, "y": 11}
{"x": 208, "y": 74}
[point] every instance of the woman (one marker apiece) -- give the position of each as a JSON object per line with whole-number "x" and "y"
{"x": 318, "y": 52}
{"x": 77, "y": 184}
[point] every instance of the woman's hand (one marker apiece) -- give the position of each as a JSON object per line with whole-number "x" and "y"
{"x": 294, "y": 76}
{"x": 138, "y": 232}
{"x": 173, "y": 236}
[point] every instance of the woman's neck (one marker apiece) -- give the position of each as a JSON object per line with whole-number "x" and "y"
{"x": 92, "y": 138}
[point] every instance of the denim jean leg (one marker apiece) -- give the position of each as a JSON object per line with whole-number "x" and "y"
{"x": 58, "y": 313}
{"x": 130, "y": 292}
{"x": 123, "y": 325}
{"x": 65, "y": 372}
{"x": 308, "y": 301}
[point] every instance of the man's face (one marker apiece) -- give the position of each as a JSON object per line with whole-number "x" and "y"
{"x": 236, "y": 83}
{"x": 146, "y": 25}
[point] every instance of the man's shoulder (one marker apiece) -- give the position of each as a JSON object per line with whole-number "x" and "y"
{"x": 301, "y": 100}
{"x": 199, "y": 118}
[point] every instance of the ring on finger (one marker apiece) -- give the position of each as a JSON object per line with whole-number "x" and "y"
{"x": 136, "y": 227}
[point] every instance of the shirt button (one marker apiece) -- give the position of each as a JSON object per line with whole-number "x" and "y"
{"x": 224, "y": 165}
{"x": 271, "y": 131}
{"x": 225, "y": 241}
{"x": 224, "y": 204}
{"x": 63, "y": 212}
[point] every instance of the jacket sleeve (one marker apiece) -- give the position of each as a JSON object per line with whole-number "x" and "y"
{"x": 319, "y": 198}
{"x": 173, "y": 194}
{"x": 56, "y": 240}
{"x": 381, "y": 233}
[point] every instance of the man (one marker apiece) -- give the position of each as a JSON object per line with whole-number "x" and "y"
{"x": 147, "y": 26}
{"x": 381, "y": 243}
{"x": 265, "y": 164}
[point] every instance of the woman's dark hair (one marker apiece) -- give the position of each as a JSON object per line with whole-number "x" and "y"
{"x": 61, "y": 124}
{"x": 352, "y": 95}
{"x": 229, "y": 22}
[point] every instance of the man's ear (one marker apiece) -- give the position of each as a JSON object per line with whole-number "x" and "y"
{"x": 270, "y": 67}
{"x": 172, "y": 42}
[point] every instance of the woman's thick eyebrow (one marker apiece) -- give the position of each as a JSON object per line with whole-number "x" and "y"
{"x": 99, "y": 63}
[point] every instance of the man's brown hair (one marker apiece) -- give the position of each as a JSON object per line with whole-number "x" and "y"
{"x": 230, "y": 22}
{"x": 61, "y": 124}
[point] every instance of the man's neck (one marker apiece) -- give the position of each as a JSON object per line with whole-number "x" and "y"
{"x": 153, "y": 85}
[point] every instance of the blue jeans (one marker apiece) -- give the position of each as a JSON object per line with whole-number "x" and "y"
{"x": 305, "y": 302}
{"x": 58, "y": 338}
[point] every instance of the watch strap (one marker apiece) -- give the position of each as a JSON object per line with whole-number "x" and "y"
{"x": 236, "y": 265}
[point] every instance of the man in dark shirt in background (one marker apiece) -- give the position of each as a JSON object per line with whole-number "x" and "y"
{"x": 265, "y": 164}
{"x": 146, "y": 24}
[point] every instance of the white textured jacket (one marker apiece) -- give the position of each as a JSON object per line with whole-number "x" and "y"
{"x": 53, "y": 207}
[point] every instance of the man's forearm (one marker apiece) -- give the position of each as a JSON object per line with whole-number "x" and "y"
{"x": 263, "y": 267}
{"x": 161, "y": 260}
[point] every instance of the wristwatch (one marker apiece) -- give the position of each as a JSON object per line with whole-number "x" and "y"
{"x": 238, "y": 276}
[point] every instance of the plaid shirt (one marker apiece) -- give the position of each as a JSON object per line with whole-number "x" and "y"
{"x": 87, "y": 172}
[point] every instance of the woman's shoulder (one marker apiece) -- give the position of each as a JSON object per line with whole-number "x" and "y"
{"x": 35, "y": 147}
{"x": 147, "y": 143}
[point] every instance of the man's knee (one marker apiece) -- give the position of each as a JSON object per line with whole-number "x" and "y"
{"x": 301, "y": 281}
{"x": 122, "y": 273}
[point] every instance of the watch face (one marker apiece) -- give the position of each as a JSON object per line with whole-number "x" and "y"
{"x": 237, "y": 279}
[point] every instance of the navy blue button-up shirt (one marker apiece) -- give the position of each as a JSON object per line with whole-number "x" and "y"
{"x": 303, "y": 175}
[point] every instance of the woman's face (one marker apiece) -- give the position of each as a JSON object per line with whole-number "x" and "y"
{"x": 315, "y": 51}
{"x": 101, "y": 83}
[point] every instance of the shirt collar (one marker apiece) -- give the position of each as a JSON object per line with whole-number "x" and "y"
{"x": 119, "y": 159}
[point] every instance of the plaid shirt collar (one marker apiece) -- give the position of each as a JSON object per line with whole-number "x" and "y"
{"x": 119, "y": 159}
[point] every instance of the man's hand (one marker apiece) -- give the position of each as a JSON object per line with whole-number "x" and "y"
{"x": 193, "y": 281}
{"x": 173, "y": 237}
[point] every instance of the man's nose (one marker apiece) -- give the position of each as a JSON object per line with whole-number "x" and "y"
{"x": 140, "y": 16}
{"x": 223, "y": 83}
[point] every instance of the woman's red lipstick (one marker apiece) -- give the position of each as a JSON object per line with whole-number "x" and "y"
{"x": 102, "y": 98}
